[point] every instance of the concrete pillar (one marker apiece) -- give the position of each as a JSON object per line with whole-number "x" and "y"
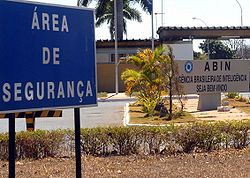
{"x": 209, "y": 101}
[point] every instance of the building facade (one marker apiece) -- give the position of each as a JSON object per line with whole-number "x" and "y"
{"x": 105, "y": 58}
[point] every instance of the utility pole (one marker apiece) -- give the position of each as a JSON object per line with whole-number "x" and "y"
{"x": 208, "y": 44}
{"x": 116, "y": 50}
{"x": 241, "y": 24}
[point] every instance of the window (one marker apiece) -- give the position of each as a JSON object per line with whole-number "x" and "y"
{"x": 112, "y": 57}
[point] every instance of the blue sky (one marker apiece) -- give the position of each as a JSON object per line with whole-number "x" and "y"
{"x": 180, "y": 13}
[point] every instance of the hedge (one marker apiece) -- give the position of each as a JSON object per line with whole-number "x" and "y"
{"x": 186, "y": 138}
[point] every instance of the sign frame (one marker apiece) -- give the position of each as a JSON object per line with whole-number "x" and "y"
{"x": 12, "y": 145}
{"x": 213, "y": 76}
{"x": 94, "y": 84}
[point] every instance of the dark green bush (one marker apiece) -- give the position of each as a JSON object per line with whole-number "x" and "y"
{"x": 240, "y": 134}
{"x": 106, "y": 141}
{"x": 170, "y": 139}
{"x": 4, "y": 146}
{"x": 155, "y": 139}
{"x": 38, "y": 144}
{"x": 95, "y": 141}
{"x": 232, "y": 95}
{"x": 126, "y": 140}
{"x": 202, "y": 136}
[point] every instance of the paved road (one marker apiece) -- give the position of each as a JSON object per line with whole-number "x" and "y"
{"x": 109, "y": 113}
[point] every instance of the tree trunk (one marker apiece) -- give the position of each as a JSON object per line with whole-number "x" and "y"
{"x": 170, "y": 100}
{"x": 119, "y": 4}
{"x": 171, "y": 78}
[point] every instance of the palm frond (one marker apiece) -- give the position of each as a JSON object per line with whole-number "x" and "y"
{"x": 132, "y": 14}
{"x": 84, "y": 3}
{"x": 102, "y": 19}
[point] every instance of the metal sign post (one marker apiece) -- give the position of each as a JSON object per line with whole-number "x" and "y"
{"x": 78, "y": 142}
{"x": 12, "y": 145}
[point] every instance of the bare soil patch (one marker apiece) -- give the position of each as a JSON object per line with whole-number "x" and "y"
{"x": 237, "y": 111}
{"x": 242, "y": 105}
{"x": 227, "y": 164}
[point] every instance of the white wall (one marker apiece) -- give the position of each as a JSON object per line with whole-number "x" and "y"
{"x": 183, "y": 50}
{"x": 103, "y": 55}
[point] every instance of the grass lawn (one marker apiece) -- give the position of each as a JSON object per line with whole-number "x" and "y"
{"x": 138, "y": 117}
{"x": 102, "y": 94}
{"x": 241, "y": 105}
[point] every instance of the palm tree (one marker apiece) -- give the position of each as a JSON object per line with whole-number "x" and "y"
{"x": 105, "y": 12}
{"x": 156, "y": 73}
{"x": 146, "y": 79}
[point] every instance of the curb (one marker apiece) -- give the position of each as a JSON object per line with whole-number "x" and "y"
{"x": 126, "y": 115}
{"x": 126, "y": 119}
{"x": 115, "y": 99}
{"x": 112, "y": 98}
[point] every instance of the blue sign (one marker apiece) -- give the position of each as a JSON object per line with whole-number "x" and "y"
{"x": 47, "y": 57}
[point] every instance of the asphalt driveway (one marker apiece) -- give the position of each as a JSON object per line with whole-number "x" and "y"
{"x": 107, "y": 113}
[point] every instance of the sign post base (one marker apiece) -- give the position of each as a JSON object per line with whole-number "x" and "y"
{"x": 209, "y": 101}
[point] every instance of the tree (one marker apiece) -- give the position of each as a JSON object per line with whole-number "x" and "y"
{"x": 239, "y": 47}
{"x": 168, "y": 74}
{"x": 124, "y": 10}
{"x": 200, "y": 56}
{"x": 246, "y": 52}
{"x": 218, "y": 49}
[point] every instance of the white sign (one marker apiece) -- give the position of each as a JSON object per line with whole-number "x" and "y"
{"x": 213, "y": 76}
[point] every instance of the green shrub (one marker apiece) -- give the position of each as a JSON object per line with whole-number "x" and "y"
{"x": 126, "y": 140}
{"x": 154, "y": 139}
{"x": 95, "y": 141}
{"x": 102, "y": 94}
{"x": 148, "y": 103}
{"x": 187, "y": 137}
{"x": 4, "y": 141}
{"x": 106, "y": 141}
{"x": 232, "y": 95}
{"x": 38, "y": 144}
{"x": 170, "y": 139}
{"x": 240, "y": 134}
{"x": 242, "y": 99}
